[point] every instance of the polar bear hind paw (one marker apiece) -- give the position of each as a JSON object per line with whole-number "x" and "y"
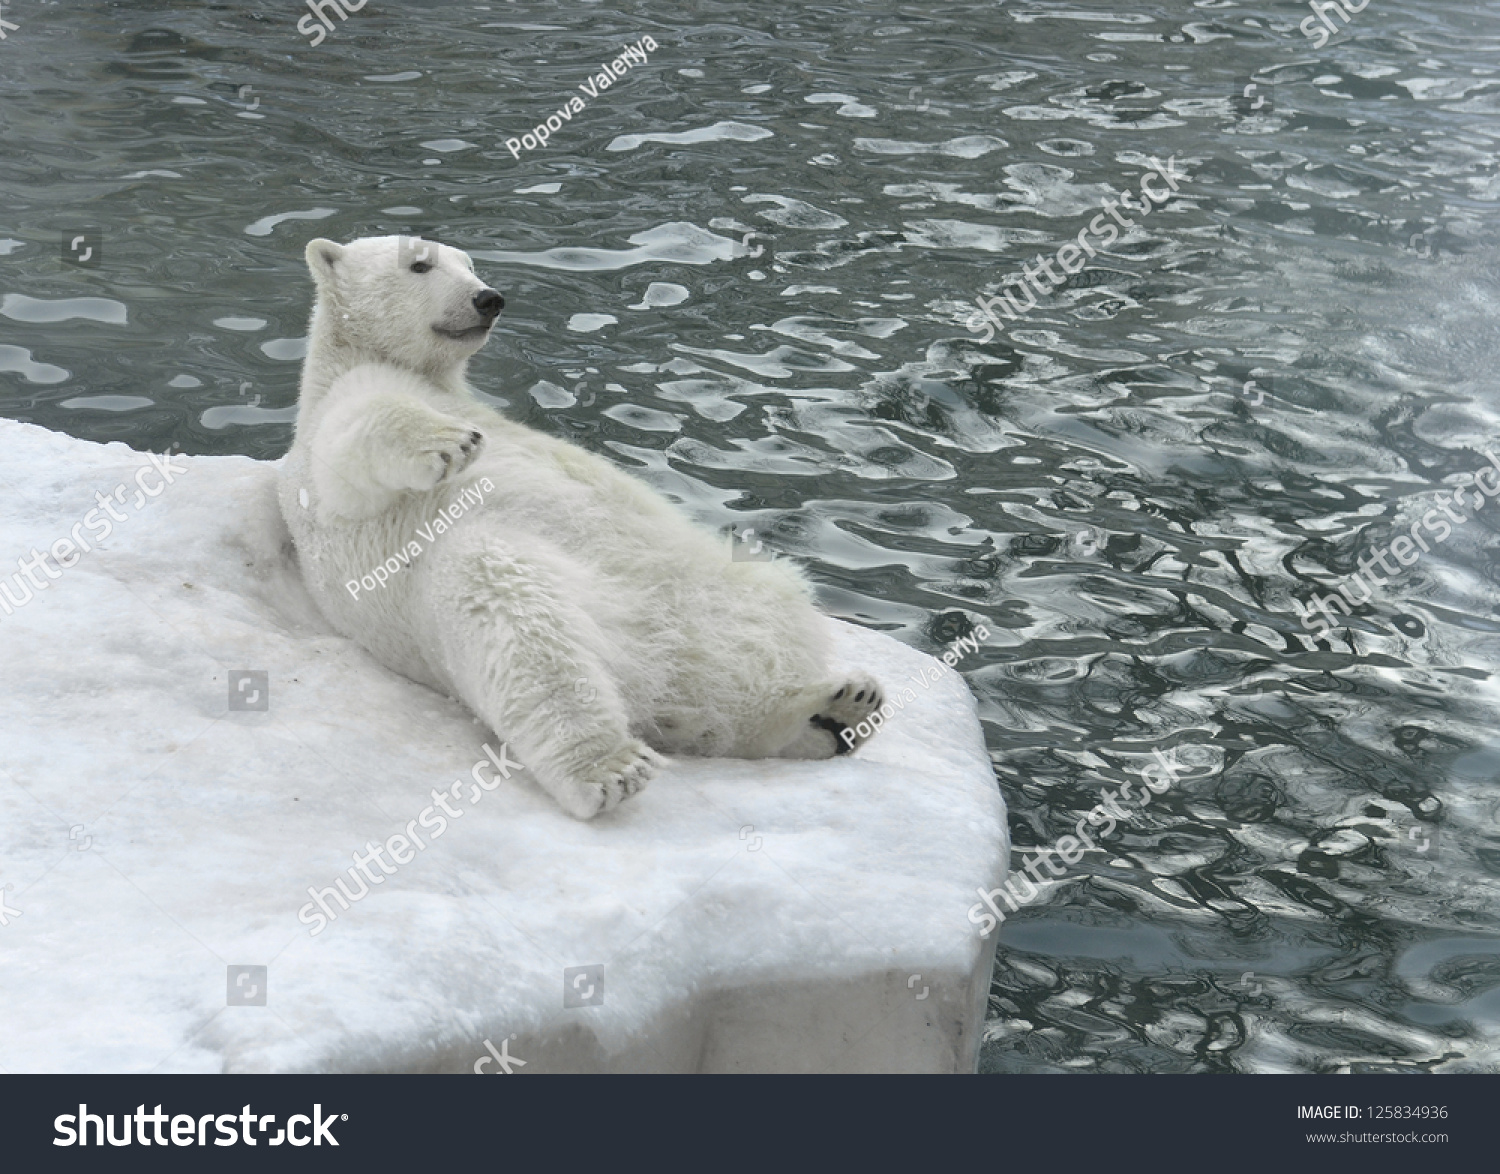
{"x": 850, "y": 705}
{"x": 613, "y": 779}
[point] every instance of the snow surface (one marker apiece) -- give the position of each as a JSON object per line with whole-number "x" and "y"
{"x": 748, "y": 916}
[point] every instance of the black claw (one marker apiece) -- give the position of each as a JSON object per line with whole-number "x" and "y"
{"x": 476, "y": 437}
{"x": 860, "y": 696}
{"x": 840, "y": 693}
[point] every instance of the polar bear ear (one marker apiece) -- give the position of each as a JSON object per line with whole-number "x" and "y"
{"x": 322, "y": 255}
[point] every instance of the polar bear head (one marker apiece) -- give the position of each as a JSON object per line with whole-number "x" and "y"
{"x": 407, "y": 301}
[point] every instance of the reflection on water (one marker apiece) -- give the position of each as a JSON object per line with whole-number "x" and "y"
{"x": 747, "y": 271}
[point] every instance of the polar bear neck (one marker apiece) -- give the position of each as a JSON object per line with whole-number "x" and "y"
{"x": 330, "y": 354}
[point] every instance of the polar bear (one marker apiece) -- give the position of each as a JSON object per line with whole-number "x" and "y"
{"x": 574, "y": 610}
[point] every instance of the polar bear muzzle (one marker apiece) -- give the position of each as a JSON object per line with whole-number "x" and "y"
{"x": 487, "y": 304}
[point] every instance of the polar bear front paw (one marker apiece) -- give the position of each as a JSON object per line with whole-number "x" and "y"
{"x": 614, "y": 778}
{"x": 446, "y": 451}
{"x": 849, "y": 706}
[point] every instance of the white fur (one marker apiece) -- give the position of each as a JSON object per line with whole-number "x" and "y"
{"x": 577, "y": 612}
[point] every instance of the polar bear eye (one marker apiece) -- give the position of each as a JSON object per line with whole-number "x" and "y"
{"x": 420, "y": 267}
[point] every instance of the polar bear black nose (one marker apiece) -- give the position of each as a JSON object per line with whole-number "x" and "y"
{"x": 488, "y": 303}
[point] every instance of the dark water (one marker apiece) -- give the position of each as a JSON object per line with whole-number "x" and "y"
{"x": 1268, "y": 378}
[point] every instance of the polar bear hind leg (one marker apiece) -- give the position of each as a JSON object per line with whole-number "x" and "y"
{"x": 514, "y": 640}
{"x": 747, "y": 657}
{"x": 838, "y": 709}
